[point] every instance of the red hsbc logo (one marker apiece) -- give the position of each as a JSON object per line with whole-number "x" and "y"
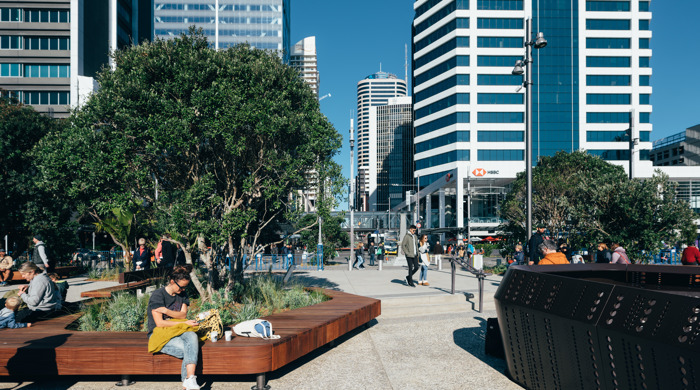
{"x": 479, "y": 172}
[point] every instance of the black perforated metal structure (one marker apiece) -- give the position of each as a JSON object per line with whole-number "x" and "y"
{"x": 601, "y": 326}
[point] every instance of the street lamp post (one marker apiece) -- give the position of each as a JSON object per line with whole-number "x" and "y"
{"x": 538, "y": 43}
{"x": 351, "y": 201}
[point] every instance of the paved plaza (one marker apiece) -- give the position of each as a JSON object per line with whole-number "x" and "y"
{"x": 425, "y": 338}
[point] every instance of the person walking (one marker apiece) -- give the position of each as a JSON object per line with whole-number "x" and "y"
{"x": 142, "y": 256}
{"x": 691, "y": 255}
{"x": 409, "y": 246}
{"x": 371, "y": 251}
{"x": 534, "y": 255}
{"x": 380, "y": 252}
{"x": 41, "y": 256}
{"x": 359, "y": 260}
{"x": 619, "y": 255}
{"x": 424, "y": 260}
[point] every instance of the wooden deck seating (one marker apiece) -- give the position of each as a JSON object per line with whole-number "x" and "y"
{"x": 62, "y": 272}
{"x": 108, "y": 291}
{"x": 59, "y": 351}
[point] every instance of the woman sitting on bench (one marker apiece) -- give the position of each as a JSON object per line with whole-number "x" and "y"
{"x": 41, "y": 295}
{"x": 169, "y": 302}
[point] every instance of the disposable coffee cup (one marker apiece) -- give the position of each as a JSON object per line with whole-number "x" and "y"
{"x": 213, "y": 336}
{"x": 228, "y": 334}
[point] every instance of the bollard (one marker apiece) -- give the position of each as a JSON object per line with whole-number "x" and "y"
{"x": 439, "y": 261}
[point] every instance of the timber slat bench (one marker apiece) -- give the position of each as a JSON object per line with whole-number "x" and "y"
{"x": 49, "y": 349}
{"x": 61, "y": 271}
{"x": 107, "y": 292}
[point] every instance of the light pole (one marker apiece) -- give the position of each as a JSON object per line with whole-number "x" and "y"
{"x": 538, "y": 43}
{"x": 351, "y": 201}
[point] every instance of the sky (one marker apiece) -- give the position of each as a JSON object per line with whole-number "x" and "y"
{"x": 355, "y": 38}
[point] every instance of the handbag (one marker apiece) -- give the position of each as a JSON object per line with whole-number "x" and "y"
{"x": 255, "y": 328}
{"x": 209, "y": 321}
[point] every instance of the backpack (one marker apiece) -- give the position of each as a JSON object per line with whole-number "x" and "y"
{"x": 255, "y": 328}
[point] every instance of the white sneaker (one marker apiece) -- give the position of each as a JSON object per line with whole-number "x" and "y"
{"x": 191, "y": 383}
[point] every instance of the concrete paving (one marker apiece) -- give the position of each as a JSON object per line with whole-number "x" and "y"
{"x": 426, "y": 338}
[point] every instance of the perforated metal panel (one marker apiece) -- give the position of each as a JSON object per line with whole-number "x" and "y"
{"x": 568, "y": 327}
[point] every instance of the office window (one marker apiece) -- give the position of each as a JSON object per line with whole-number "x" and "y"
{"x": 459, "y": 79}
{"x": 46, "y": 98}
{"x": 608, "y": 6}
{"x": 46, "y": 16}
{"x": 500, "y": 98}
{"x": 426, "y": 7}
{"x": 460, "y": 98}
{"x": 500, "y": 136}
{"x": 498, "y": 79}
{"x": 644, "y": 117}
{"x": 607, "y": 136}
{"x": 447, "y": 120}
{"x": 607, "y": 117}
{"x": 644, "y": 24}
{"x": 643, "y": 43}
{"x": 608, "y": 98}
{"x": 441, "y": 14}
{"x": 644, "y": 98}
{"x": 442, "y": 49}
{"x": 497, "y": 60}
{"x": 444, "y": 158}
{"x": 607, "y": 24}
{"x": 644, "y": 80}
{"x": 10, "y": 70}
{"x": 608, "y": 80}
{"x": 442, "y": 68}
{"x": 644, "y": 6}
{"x": 613, "y": 155}
{"x": 500, "y": 23}
{"x": 644, "y": 62}
{"x": 11, "y": 14}
{"x": 608, "y": 62}
{"x": 10, "y": 42}
{"x": 500, "y": 5}
{"x": 441, "y": 32}
{"x": 607, "y": 43}
{"x": 499, "y": 42}
{"x": 47, "y": 71}
{"x": 46, "y": 43}
{"x": 450, "y": 138}
{"x": 500, "y": 155}
{"x": 500, "y": 117}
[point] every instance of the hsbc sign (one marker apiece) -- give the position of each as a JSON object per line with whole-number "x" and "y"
{"x": 479, "y": 172}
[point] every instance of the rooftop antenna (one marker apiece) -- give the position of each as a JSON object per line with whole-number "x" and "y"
{"x": 380, "y": 67}
{"x": 405, "y": 66}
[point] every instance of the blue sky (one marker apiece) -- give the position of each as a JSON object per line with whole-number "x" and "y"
{"x": 354, "y": 37}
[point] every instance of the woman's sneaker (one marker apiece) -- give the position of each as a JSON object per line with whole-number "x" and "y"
{"x": 425, "y": 283}
{"x": 191, "y": 383}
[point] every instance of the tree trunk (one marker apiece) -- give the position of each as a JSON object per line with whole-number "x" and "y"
{"x": 187, "y": 250}
{"x": 205, "y": 255}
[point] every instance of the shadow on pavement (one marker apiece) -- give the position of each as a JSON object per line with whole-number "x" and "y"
{"x": 312, "y": 281}
{"x": 399, "y": 281}
{"x": 472, "y": 340}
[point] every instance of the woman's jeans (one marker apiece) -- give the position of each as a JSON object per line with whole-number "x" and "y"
{"x": 359, "y": 262}
{"x": 185, "y": 347}
{"x": 423, "y": 272}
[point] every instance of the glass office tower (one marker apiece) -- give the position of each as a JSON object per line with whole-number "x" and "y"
{"x": 261, "y": 23}
{"x": 590, "y": 81}
{"x": 374, "y": 90}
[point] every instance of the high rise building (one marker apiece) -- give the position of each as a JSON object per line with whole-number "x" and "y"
{"x": 375, "y": 90}
{"x": 678, "y": 149}
{"x": 50, "y": 50}
{"x": 589, "y": 83}
{"x": 390, "y": 153}
{"x": 261, "y": 23}
{"x": 303, "y": 57}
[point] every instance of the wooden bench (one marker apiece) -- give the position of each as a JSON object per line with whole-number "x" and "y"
{"x": 63, "y": 272}
{"x": 58, "y": 351}
{"x": 107, "y": 292}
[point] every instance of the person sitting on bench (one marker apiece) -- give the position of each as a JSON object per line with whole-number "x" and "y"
{"x": 41, "y": 295}
{"x": 5, "y": 268}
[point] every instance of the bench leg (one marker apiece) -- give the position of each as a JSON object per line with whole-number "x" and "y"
{"x": 260, "y": 383}
{"x": 125, "y": 381}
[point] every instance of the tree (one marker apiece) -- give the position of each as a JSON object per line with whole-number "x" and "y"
{"x": 237, "y": 122}
{"x": 26, "y": 209}
{"x": 588, "y": 200}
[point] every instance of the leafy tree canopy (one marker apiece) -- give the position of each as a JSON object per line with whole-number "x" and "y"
{"x": 588, "y": 200}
